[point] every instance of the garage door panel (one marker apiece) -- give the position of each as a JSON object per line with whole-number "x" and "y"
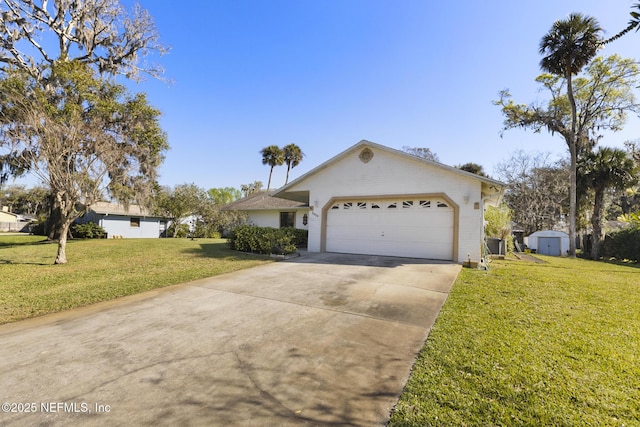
{"x": 420, "y": 233}
{"x": 346, "y": 232}
{"x": 411, "y": 229}
{"x": 354, "y": 246}
{"x": 391, "y": 248}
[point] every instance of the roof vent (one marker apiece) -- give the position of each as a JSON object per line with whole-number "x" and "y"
{"x": 366, "y": 155}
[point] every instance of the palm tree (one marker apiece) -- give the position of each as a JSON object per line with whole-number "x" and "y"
{"x": 608, "y": 168}
{"x": 567, "y": 48}
{"x": 292, "y": 157}
{"x": 634, "y": 22}
{"x": 272, "y": 156}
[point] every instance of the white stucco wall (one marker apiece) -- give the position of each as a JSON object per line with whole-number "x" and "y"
{"x": 390, "y": 174}
{"x": 8, "y": 217}
{"x": 271, "y": 218}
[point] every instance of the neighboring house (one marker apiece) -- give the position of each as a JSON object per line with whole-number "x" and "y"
{"x": 6, "y": 216}
{"x": 118, "y": 221}
{"x": 371, "y": 199}
{"x": 10, "y": 221}
{"x": 549, "y": 242}
{"x": 27, "y": 218}
{"x": 264, "y": 210}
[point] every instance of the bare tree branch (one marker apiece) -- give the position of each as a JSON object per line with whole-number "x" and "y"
{"x": 103, "y": 34}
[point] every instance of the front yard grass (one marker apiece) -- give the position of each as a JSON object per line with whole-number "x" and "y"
{"x": 531, "y": 344}
{"x": 100, "y": 270}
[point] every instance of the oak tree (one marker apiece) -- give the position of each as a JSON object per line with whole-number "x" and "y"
{"x": 599, "y": 101}
{"x": 179, "y": 203}
{"x": 63, "y": 117}
{"x": 422, "y": 152}
{"x": 536, "y": 190}
{"x": 85, "y": 140}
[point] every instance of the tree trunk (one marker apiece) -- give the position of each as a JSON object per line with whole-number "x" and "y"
{"x": 269, "y": 183}
{"x": 625, "y": 205}
{"x": 65, "y": 208}
{"x": 286, "y": 181}
{"x": 61, "y": 257}
{"x": 54, "y": 222}
{"x": 596, "y": 224}
{"x": 573, "y": 190}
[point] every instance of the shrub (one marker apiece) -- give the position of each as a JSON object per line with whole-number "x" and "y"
{"x": 623, "y": 244}
{"x": 248, "y": 238}
{"x": 183, "y": 230}
{"x": 205, "y": 231}
{"x": 39, "y": 229}
{"x": 300, "y": 237}
{"x": 90, "y": 230}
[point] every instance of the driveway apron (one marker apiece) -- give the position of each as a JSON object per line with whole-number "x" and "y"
{"x": 323, "y": 339}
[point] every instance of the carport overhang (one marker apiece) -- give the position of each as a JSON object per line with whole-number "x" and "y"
{"x": 492, "y": 192}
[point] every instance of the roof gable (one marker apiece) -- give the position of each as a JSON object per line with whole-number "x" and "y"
{"x": 291, "y": 190}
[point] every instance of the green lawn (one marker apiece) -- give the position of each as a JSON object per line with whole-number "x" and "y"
{"x": 522, "y": 344}
{"x": 532, "y": 344}
{"x": 100, "y": 270}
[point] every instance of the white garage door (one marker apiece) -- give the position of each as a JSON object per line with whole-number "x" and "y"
{"x": 417, "y": 228}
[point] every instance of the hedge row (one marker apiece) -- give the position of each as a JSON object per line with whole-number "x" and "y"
{"x": 267, "y": 240}
{"x": 623, "y": 244}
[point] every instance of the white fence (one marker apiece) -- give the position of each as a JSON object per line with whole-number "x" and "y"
{"x": 14, "y": 226}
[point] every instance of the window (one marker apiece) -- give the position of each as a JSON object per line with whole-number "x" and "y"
{"x": 362, "y": 205}
{"x": 375, "y": 206}
{"x": 425, "y": 203}
{"x": 392, "y": 205}
{"x": 407, "y": 204}
{"x": 336, "y": 206}
{"x": 134, "y": 222}
{"x": 287, "y": 219}
{"x": 442, "y": 205}
{"x": 347, "y": 205}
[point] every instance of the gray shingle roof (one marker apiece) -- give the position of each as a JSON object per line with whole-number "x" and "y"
{"x": 108, "y": 208}
{"x": 263, "y": 201}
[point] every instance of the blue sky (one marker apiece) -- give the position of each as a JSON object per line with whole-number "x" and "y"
{"x": 326, "y": 74}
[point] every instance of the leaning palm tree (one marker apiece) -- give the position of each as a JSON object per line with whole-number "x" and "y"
{"x": 605, "y": 169}
{"x": 292, "y": 157}
{"x": 272, "y": 156}
{"x": 634, "y": 23}
{"x": 567, "y": 48}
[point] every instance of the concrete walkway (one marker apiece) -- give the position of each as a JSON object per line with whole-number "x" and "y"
{"x": 324, "y": 339}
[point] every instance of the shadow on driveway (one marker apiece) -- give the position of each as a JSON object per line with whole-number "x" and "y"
{"x": 306, "y": 341}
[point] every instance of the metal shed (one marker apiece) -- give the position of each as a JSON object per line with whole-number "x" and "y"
{"x": 549, "y": 242}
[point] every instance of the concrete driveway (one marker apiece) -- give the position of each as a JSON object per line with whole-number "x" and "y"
{"x": 323, "y": 339}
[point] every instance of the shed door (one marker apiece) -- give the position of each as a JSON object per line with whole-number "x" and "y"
{"x": 549, "y": 246}
{"x": 416, "y": 228}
